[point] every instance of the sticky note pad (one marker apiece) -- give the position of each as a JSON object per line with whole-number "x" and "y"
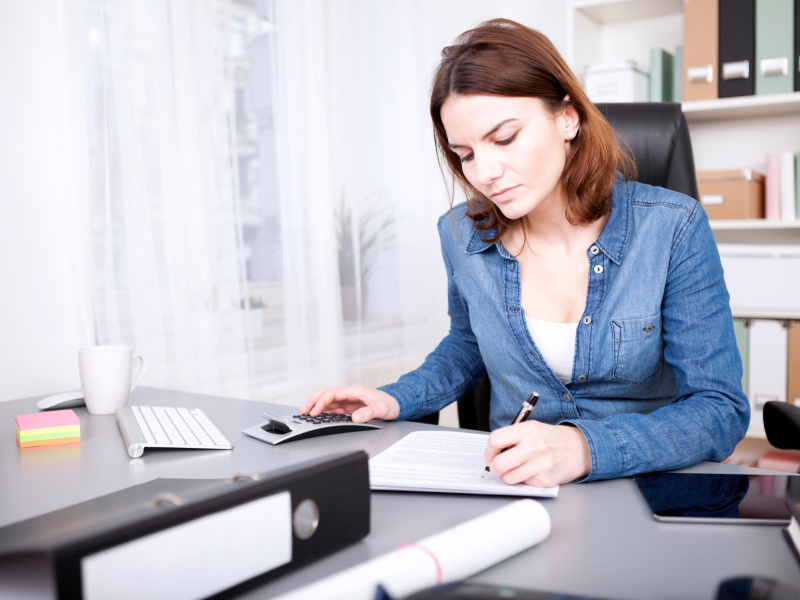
{"x": 48, "y": 428}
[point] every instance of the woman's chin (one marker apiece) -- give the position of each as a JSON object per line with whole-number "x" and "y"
{"x": 513, "y": 210}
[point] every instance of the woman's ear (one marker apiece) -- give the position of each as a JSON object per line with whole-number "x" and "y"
{"x": 570, "y": 121}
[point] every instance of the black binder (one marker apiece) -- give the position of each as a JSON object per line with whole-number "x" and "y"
{"x": 737, "y": 43}
{"x": 797, "y": 45}
{"x": 330, "y": 509}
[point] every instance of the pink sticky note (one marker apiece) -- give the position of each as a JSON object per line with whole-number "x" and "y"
{"x": 42, "y": 420}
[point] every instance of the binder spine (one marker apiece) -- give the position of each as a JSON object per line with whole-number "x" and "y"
{"x": 330, "y": 509}
{"x": 797, "y": 45}
{"x": 737, "y": 47}
{"x": 701, "y": 50}
{"x": 775, "y": 56}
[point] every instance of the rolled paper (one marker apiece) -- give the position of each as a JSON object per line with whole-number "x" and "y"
{"x": 452, "y": 555}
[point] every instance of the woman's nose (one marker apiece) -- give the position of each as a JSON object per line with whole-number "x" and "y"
{"x": 487, "y": 170}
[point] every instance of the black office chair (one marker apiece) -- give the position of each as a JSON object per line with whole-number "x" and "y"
{"x": 657, "y": 136}
{"x": 782, "y": 425}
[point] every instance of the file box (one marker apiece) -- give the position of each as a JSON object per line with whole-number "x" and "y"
{"x": 624, "y": 81}
{"x": 735, "y": 194}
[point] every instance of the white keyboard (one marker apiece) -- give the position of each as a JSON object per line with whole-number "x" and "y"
{"x": 167, "y": 427}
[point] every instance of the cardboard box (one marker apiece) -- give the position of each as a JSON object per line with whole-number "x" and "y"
{"x": 735, "y": 194}
{"x": 617, "y": 82}
{"x": 793, "y": 365}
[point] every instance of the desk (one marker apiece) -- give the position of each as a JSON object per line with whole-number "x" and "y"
{"x": 603, "y": 541}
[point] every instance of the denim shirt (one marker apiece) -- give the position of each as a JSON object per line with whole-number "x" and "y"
{"x": 656, "y": 377}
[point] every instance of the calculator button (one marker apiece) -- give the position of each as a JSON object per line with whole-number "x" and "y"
{"x": 295, "y": 416}
{"x": 316, "y": 422}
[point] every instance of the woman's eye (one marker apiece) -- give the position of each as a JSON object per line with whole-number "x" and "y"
{"x": 466, "y": 158}
{"x": 507, "y": 141}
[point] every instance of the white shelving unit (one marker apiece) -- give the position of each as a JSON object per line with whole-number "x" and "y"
{"x": 744, "y": 107}
{"x": 727, "y": 133}
{"x": 611, "y": 11}
{"x": 781, "y": 314}
{"x": 756, "y": 231}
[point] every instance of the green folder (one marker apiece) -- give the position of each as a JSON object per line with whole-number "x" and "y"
{"x": 775, "y": 45}
{"x": 797, "y": 184}
{"x": 661, "y": 75}
{"x": 677, "y": 75}
{"x": 742, "y": 333}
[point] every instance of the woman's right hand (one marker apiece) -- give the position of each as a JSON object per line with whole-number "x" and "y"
{"x": 362, "y": 402}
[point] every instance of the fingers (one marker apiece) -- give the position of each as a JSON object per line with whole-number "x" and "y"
{"x": 503, "y": 438}
{"x": 362, "y": 402}
{"x": 341, "y": 399}
{"x": 508, "y": 461}
{"x": 312, "y": 401}
{"x": 362, "y": 415}
{"x": 524, "y": 471}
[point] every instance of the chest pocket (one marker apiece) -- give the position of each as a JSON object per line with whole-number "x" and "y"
{"x": 638, "y": 348}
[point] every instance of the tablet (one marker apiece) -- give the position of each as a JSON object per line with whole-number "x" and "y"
{"x": 732, "y": 499}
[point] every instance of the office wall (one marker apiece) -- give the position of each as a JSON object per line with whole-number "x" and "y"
{"x": 43, "y": 185}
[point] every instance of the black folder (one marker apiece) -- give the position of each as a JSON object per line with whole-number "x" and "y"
{"x": 330, "y": 509}
{"x": 737, "y": 43}
{"x": 797, "y": 45}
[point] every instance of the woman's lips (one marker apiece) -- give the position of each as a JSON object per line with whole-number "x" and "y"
{"x": 506, "y": 194}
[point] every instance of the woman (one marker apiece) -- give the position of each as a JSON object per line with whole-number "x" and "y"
{"x": 566, "y": 278}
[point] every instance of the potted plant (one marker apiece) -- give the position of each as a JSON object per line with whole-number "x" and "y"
{"x": 363, "y": 230}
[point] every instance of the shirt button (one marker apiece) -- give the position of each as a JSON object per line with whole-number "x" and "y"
{"x": 581, "y": 377}
{"x": 649, "y": 328}
{"x": 598, "y": 269}
{"x": 514, "y": 309}
{"x": 566, "y": 397}
{"x": 594, "y": 250}
{"x": 587, "y": 319}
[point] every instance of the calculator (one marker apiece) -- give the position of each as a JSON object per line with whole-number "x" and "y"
{"x": 278, "y": 429}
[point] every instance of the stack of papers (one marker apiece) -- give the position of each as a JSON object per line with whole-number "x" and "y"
{"x": 48, "y": 428}
{"x": 442, "y": 461}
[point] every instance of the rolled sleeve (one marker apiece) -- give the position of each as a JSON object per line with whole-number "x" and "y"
{"x": 606, "y": 449}
{"x": 406, "y": 399}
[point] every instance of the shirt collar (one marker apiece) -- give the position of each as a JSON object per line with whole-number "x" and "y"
{"x": 611, "y": 240}
{"x": 614, "y": 237}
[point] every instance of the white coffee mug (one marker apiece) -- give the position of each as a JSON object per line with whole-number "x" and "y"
{"x": 106, "y": 377}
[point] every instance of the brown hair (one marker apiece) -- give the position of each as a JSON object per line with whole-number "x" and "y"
{"x": 503, "y": 58}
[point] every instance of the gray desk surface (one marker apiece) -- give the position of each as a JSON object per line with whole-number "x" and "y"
{"x": 603, "y": 541}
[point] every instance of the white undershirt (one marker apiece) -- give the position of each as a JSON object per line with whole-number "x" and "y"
{"x": 556, "y": 342}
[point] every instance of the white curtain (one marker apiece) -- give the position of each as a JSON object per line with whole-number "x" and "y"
{"x": 167, "y": 248}
{"x": 263, "y": 186}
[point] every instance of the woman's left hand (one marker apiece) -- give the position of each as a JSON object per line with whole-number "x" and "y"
{"x": 538, "y": 454}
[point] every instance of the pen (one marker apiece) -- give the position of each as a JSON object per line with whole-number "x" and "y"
{"x": 522, "y": 415}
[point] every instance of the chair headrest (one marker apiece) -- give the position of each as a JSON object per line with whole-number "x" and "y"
{"x": 782, "y": 425}
{"x": 658, "y": 136}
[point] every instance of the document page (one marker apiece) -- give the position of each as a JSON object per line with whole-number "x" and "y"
{"x": 442, "y": 461}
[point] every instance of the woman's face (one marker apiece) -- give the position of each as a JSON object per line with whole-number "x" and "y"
{"x": 511, "y": 149}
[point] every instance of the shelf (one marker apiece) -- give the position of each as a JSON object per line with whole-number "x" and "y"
{"x": 789, "y": 314}
{"x": 612, "y": 11}
{"x": 750, "y": 224}
{"x": 742, "y": 107}
{"x": 756, "y": 231}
